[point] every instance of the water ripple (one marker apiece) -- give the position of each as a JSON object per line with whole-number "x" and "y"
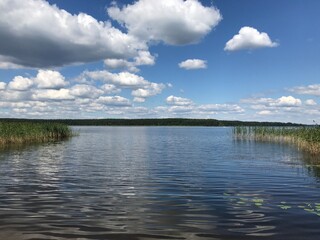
{"x": 157, "y": 183}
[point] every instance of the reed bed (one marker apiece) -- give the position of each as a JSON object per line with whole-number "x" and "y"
{"x": 29, "y": 132}
{"x": 306, "y": 138}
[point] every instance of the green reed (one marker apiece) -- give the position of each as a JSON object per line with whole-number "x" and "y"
{"x": 25, "y": 132}
{"x": 306, "y": 138}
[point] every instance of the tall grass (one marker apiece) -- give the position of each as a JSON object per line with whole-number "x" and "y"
{"x": 306, "y": 138}
{"x": 27, "y": 132}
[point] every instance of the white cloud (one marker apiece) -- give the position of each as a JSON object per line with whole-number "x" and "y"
{"x": 313, "y": 90}
{"x": 139, "y": 99}
{"x": 120, "y": 64}
{"x": 265, "y": 112}
{"x": 122, "y": 79}
{"x": 48, "y": 36}
{"x": 288, "y": 101}
{"x": 3, "y": 85}
{"x": 143, "y": 58}
{"x": 85, "y": 91}
{"x": 174, "y": 22}
{"x": 50, "y": 79}
{"x": 284, "y": 109}
{"x": 249, "y": 38}
{"x": 29, "y": 98}
{"x": 141, "y": 88}
{"x": 191, "y": 64}
{"x": 15, "y": 104}
{"x": 258, "y": 101}
{"x": 310, "y": 102}
{"x": 214, "y": 108}
{"x": 52, "y": 94}
{"x": 8, "y": 65}
{"x": 282, "y": 102}
{"x": 19, "y": 110}
{"x": 45, "y": 79}
{"x": 178, "y": 101}
{"x": 183, "y": 107}
{"x": 8, "y": 95}
{"x": 20, "y": 83}
{"x": 114, "y": 101}
{"x": 110, "y": 89}
{"x": 149, "y": 90}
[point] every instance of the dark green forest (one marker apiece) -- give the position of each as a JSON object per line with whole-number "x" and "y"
{"x": 152, "y": 122}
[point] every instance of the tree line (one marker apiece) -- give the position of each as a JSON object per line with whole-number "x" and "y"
{"x": 153, "y": 122}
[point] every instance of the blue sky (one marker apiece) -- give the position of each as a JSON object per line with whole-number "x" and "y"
{"x": 242, "y": 60}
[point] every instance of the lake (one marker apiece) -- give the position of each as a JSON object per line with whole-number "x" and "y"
{"x": 158, "y": 183}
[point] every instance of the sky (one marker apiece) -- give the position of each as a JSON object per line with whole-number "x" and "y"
{"x": 223, "y": 59}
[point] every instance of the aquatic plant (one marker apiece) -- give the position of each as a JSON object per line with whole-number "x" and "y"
{"x": 284, "y": 205}
{"x": 311, "y": 208}
{"x": 25, "y": 132}
{"x": 306, "y": 138}
{"x": 254, "y": 203}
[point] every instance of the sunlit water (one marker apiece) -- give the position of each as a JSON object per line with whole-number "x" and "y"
{"x": 158, "y": 183}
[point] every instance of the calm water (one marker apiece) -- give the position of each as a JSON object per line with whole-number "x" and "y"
{"x": 158, "y": 183}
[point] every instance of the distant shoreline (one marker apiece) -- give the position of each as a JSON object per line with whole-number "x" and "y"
{"x": 153, "y": 122}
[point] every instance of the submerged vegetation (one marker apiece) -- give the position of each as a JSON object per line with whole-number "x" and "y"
{"x": 32, "y": 132}
{"x": 306, "y": 138}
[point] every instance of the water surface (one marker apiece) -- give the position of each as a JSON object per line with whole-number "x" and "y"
{"x": 158, "y": 183}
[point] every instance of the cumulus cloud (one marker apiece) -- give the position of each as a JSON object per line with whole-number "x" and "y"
{"x": 174, "y": 22}
{"x": 178, "y": 101}
{"x": 110, "y": 89}
{"x": 85, "y": 91}
{"x": 8, "y": 95}
{"x": 287, "y": 101}
{"x": 52, "y": 94}
{"x": 143, "y": 58}
{"x": 141, "y": 88}
{"x": 114, "y": 64}
{"x": 45, "y": 79}
{"x": 49, "y": 79}
{"x": 184, "y": 107}
{"x": 249, "y": 38}
{"x": 149, "y": 90}
{"x": 122, "y": 79}
{"x": 114, "y": 101}
{"x": 313, "y": 90}
{"x": 30, "y": 98}
{"x": 15, "y": 104}
{"x": 3, "y": 85}
{"x": 20, "y": 83}
{"x": 214, "y": 108}
{"x": 33, "y": 26}
{"x": 265, "y": 112}
{"x": 48, "y": 36}
{"x": 282, "y": 102}
{"x": 284, "y": 109}
{"x": 191, "y": 64}
{"x": 310, "y": 102}
{"x": 139, "y": 99}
